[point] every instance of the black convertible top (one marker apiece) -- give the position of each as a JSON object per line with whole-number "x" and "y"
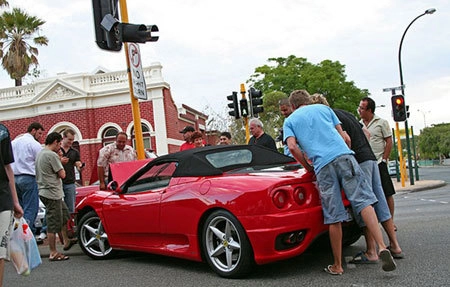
{"x": 215, "y": 160}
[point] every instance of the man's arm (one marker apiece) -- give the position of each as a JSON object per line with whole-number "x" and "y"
{"x": 344, "y": 135}
{"x": 297, "y": 153}
{"x": 387, "y": 147}
{"x": 18, "y": 211}
{"x": 62, "y": 173}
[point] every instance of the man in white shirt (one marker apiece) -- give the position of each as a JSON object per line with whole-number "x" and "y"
{"x": 25, "y": 149}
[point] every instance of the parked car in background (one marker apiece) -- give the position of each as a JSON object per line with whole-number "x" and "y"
{"x": 232, "y": 206}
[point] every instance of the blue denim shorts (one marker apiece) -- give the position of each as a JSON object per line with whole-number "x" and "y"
{"x": 344, "y": 173}
{"x": 370, "y": 169}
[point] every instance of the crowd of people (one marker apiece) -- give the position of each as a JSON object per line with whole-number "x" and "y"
{"x": 344, "y": 153}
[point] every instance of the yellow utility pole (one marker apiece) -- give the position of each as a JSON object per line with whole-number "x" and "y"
{"x": 400, "y": 155}
{"x": 134, "y": 102}
{"x": 245, "y": 118}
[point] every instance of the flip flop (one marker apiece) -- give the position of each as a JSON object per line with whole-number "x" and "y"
{"x": 331, "y": 272}
{"x": 58, "y": 257}
{"x": 388, "y": 263}
{"x": 361, "y": 258}
{"x": 396, "y": 255}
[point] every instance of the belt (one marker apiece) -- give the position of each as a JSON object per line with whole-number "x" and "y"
{"x": 24, "y": 174}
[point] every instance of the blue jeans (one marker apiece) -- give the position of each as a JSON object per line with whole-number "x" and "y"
{"x": 27, "y": 191}
{"x": 69, "y": 196}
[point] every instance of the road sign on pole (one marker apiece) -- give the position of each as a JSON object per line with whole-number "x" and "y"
{"x": 137, "y": 74}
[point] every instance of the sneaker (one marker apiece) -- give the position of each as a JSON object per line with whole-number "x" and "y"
{"x": 42, "y": 236}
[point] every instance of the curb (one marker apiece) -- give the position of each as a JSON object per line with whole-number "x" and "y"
{"x": 418, "y": 186}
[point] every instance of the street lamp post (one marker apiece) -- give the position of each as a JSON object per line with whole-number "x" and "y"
{"x": 424, "y": 120}
{"x": 408, "y": 146}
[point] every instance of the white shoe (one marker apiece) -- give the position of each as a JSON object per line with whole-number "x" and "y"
{"x": 42, "y": 236}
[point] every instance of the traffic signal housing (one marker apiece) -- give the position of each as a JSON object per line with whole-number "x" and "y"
{"x": 234, "y": 105}
{"x": 244, "y": 108}
{"x": 398, "y": 108}
{"x": 256, "y": 102}
{"x": 110, "y": 33}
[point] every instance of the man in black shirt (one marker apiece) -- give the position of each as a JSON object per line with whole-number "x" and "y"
{"x": 259, "y": 137}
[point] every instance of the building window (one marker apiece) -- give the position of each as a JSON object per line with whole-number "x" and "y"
{"x": 145, "y": 136}
{"x": 109, "y": 135}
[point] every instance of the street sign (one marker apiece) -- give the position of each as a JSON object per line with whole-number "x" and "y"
{"x": 137, "y": 75}
{"x": 394, "y": 88}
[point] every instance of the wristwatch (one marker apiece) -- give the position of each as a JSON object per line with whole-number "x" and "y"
{"x": 384, "y": 160}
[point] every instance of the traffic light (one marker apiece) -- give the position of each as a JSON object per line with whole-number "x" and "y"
{"x": 244, "y": 107}
{"x": 110, "y": 33}
{"x": 398, "y": 108}
{"x": 106, "y": 26}
{"x": 233, "y": 105}
{"x": 256, "y": 102}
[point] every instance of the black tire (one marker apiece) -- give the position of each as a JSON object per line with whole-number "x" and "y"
{"x": 350, "y": 234}
{"x": 92, "y": 238}
{"x": 225, "y": 245}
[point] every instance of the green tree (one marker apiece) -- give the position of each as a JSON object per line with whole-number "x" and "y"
{"x": 434, "y": 142}
{"x": 284, "y": 75}
{"x": 17, "y": 30}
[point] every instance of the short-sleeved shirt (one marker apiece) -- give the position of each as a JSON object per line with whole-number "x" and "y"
{"x": 186, "y": 146}
{"x": 314, "y": 127}
{"x": 360, "y": 145}
{"x": 263, "y": 140}
{"x": 379, "y": 130}
{"x": 6, "y": 157}
{"x": 111, "y": 154}
{"x": 48, "y": 164}
{"x": 25, "y": 149}
{"x": 73, "y": 155}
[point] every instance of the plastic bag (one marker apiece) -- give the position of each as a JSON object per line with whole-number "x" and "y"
{"x": 24, "y": 250}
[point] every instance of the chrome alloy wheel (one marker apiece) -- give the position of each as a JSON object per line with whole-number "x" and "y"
{"x": 93, "y": 238}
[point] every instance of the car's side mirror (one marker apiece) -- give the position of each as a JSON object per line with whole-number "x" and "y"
{"x": 113, "y": 185}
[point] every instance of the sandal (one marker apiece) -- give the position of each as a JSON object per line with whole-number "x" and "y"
{"x": 58, "y": 257}
{"x": 330, "y": 271}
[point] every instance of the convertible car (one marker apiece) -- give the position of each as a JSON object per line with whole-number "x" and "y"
{"x": 231, "y": 206}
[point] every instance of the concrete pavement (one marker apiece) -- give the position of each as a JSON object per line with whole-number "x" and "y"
{"x": 419, "y": 185}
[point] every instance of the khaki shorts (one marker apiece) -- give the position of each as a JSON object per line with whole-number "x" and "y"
{"x": 6, "y": 221}
{"x": 56, "y": 213}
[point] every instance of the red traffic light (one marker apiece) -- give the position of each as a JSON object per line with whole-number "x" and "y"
{"x": 398, "y": 108}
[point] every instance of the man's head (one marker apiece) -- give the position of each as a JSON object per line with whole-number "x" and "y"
{"x": 256, "y": 127}
{"x": 366, "y": 108}
{"x": 121, "y": 140}
{"x": 53, "y": 141}
{"x": 319, "y": 99}
{"x": 187, "y": 133}
{"x": 68, "y": 138}
{"x": 36, "y": 130}
{"x": 285, "y": 107}
{"x": 299, "y": 98}
{"x": 225, "y": 138}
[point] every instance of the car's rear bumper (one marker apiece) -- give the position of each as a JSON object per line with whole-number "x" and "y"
{"x": 266, "y": 231}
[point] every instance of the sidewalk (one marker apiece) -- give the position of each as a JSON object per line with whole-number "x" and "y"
{"x": 419, "y": 185}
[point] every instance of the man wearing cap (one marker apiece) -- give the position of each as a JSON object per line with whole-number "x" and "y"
{"x": 187, "y": 133}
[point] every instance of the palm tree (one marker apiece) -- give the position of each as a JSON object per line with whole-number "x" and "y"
{"x": 17, "y": 28}
{"x": 3, "y": 3}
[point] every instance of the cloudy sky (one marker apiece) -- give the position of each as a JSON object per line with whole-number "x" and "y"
{"x": 208, "y": 48}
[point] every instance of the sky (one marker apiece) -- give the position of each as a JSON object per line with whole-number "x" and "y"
{"x": 208, "y": 48}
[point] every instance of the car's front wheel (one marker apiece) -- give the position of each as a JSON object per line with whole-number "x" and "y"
{"x": 225, "y": 245}
{"x": 92, "y": 238}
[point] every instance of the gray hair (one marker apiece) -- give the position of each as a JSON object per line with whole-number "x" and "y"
{"x": 256, "y": 121}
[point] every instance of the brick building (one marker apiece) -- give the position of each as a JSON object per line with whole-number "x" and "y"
{"x": 97, "y": 106}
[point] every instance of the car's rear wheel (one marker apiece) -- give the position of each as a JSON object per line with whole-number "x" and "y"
{"x": 225, "y": 245}
{"x": 92, "y": 238}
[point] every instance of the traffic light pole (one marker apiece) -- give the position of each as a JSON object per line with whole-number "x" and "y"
{"x": 247, "y": 131}
{"x": 134, "y": 102}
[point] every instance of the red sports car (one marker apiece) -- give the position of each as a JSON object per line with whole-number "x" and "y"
{"x": 231, "y": 206}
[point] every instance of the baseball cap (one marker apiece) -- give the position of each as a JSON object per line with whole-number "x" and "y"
{"x": 187, "y": 129}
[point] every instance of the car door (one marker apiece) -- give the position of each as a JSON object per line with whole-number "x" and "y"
{"x": 133, "y": 217}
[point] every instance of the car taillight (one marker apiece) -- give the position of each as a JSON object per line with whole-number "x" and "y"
{"x": 300, "y": 195}
{"x": 280, "y": 198}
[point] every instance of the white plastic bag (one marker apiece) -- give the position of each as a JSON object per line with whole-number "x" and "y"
{"x": 24, "y": 250}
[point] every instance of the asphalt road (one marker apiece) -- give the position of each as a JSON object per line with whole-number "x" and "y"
{"x": 423, "y": 220}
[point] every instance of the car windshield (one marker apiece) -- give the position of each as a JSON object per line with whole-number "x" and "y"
{"x": 229, "y": 158}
